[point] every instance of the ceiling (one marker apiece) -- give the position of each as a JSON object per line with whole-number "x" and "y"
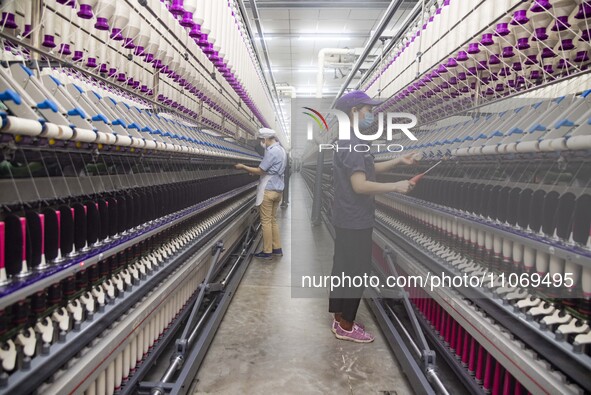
{"x": 296, "y": 30}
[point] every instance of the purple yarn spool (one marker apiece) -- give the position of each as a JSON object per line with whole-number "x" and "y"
{"x": 48, "y": 41}
{"x": 502, "y": 29}
{"x": 584, "y": 11}
{"x": 540, "y": 5}
{"x": 535, "y": 75}
{"x": 85, "y": 11}
{"x": 27, "y": 32}
{"x": 520, "y": 18}
{"x": 487, "y": 39}
{"x": 101, "y": 24}
{"x": 561, "y": 24}
{"x": 540, "y": 34}
{"x": 566, "y": 45}
{"x": 208, "y": 49}
{"x": 116, "y": 34}
{"x": 91, "y": 63}
{"x": 548, "y": 53}
{"x": 462, "y": 56}
{"x": 494, "y": 59}
{"x": 195, "y": 32}
{"x": 451, "y": 63}
{"x": 78, "y": 56}
{"x": 562, "y": 64}
{"x": 531, "y": 59}
{"x": 203, "y": 40}
{"x": 65, "y": 49}
{"x": 112, "y": 72}
{"x": 103, "y": 69}
{"x": 128, "y": 43}
{"x": 581, "y": 56}
{"x": 507, "y": 52}
{"x": 473, "y": 48}
{"x": 176, "y": 8}
{"x": 522, "y": 43}
{"x": 187, "y": 20}
{"x": 8, "y": 21}
{"x": 121, "y": 77}
{"x": 139, "y": 50}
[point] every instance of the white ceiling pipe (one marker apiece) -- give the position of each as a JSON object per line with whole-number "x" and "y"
{"x": 321, "y": 57}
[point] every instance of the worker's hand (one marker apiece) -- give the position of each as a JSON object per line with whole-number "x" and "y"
{"x": 239, "y": 166}
{"x": 402, "y": 186}
{"x": 409, "y": 159}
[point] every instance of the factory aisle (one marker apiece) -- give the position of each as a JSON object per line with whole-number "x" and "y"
{"x": 269, "y": 341}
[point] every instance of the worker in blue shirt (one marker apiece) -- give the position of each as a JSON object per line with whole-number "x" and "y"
{"x": 270, "y": 189}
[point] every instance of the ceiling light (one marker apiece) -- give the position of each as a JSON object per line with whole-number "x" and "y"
{"x": 314, "y": 38}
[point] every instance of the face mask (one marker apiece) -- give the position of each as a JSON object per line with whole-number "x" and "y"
{"x": 366, "y": 122}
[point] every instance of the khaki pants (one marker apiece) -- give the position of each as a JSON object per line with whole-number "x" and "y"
{"x": 268, "y": 211}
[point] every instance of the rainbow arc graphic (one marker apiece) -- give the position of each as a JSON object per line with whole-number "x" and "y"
{"x": 316, "y": 116}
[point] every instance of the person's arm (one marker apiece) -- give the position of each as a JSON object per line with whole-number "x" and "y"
{"x": 252, "y": 170}
{"x": 382, "y": 167}
{"x": 362, "y": 186}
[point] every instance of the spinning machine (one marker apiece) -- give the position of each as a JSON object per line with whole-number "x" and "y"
{"x": 124, "y": 227}
{"x": 502, "y": 93}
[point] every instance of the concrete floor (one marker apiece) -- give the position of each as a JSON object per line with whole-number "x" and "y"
{"x": 271, "y": 341}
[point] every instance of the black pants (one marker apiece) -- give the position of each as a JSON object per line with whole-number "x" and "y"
{"x": 352, "y": 258}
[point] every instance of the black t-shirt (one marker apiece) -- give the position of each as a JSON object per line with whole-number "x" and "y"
{"x": 352, "y": 210}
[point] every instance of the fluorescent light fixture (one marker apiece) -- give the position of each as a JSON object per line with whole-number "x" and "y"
{"x": 326, "y": 38}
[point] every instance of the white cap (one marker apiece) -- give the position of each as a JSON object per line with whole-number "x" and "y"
{"x": 265, "y": 133}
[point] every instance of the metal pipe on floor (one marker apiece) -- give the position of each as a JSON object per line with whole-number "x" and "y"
{"x": 414, "y": 346}
{"x": 177, "y": 362}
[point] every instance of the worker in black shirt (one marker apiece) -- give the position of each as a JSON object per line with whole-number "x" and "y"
{"x": 353, "y": 215}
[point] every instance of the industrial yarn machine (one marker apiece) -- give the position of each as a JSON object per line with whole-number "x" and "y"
{"x": 124, "y": 226}
{"x": 502, "y": 93}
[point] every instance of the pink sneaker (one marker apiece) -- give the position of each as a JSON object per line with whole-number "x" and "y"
{"x": 335, "y": 323}
{"x": 357, "y": 334}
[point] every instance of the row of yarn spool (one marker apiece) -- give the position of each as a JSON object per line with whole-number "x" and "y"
{"x": 529, "y": 43}
{"x": 125, "y": 44}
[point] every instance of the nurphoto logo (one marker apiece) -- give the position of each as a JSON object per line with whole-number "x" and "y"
{"x": 392, "y": 120}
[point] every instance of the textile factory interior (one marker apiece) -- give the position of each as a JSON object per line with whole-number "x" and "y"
{"x": 295, "y": 196}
